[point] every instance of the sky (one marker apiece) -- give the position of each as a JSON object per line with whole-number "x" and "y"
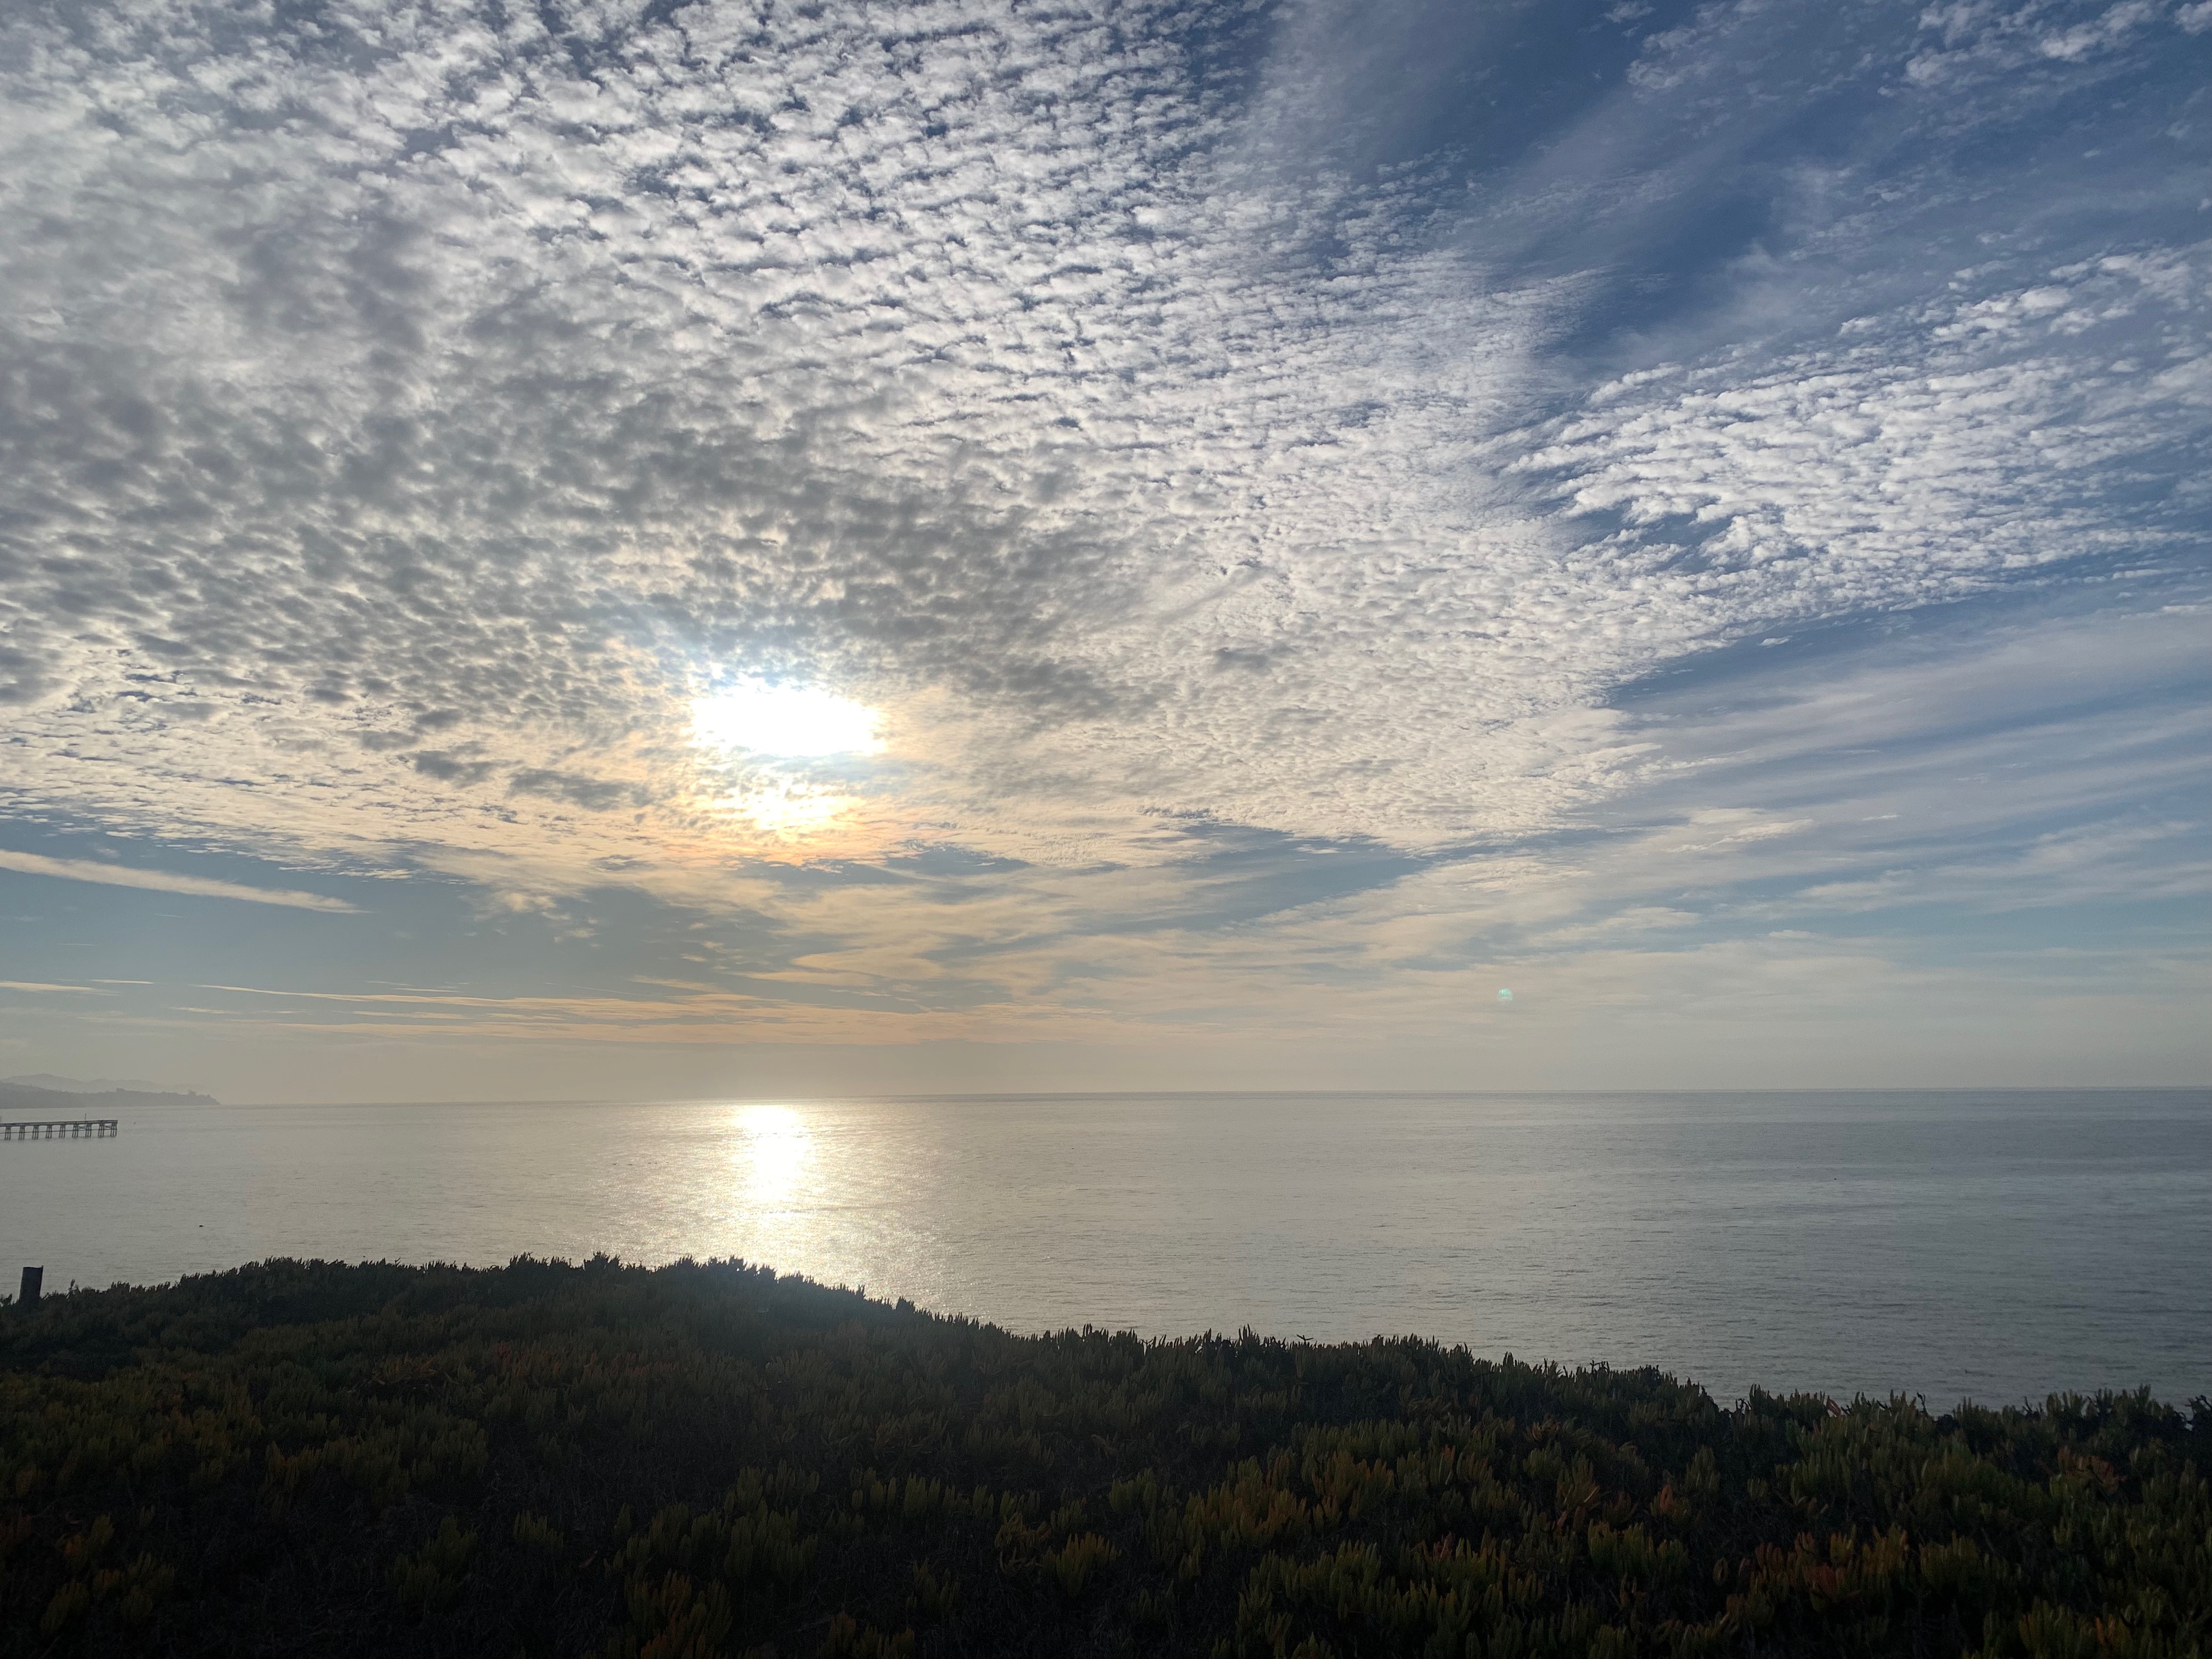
{"x": 701, "y": 548}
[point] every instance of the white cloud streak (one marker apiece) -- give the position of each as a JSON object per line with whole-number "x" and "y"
{"x": 163, "y": 881}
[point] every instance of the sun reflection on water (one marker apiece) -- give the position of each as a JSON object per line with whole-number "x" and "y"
{"x": 772, "y": 1151}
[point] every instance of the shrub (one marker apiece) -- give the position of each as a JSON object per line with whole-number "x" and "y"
{"x": 304, "y": 1457}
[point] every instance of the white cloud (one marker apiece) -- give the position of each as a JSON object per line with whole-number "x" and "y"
{"x": 986, "y": 365}
{"x": 410, "y": 416}
{"x": 162, "y": 881}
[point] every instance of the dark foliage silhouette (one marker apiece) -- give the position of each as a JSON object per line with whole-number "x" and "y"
{"x": 707, "y": 1458}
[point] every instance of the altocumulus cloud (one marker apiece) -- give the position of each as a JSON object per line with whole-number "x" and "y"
{"x": 1172, "y": 418}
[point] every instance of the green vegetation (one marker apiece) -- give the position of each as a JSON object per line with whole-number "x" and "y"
{"x": 547, "y": 1459}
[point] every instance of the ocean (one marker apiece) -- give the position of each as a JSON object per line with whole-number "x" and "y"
{"x": 1997, "y": 1245}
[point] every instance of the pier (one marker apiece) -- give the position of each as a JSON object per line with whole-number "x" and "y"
{"x": 59, "y": 1128}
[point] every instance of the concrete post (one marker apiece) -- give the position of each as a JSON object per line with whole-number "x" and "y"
{"x": 34, "y": 1279}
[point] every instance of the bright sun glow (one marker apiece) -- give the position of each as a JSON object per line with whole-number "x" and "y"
{"x": 772, "y": 1152}
{"x": 783, "y": 720}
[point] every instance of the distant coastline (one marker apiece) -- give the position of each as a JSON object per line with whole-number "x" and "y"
{"x": 25, "y": 1099}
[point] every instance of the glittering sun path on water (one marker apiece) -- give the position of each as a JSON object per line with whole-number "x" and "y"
{"x": 1986, "y": 1244}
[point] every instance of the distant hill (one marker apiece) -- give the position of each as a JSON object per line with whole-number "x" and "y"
{"x": 94, "y": 1085}
{"x": 23, "y": 1099}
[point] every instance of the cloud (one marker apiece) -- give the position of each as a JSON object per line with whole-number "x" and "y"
{"x": 406, "y": 414}
{"x": 162, "y": 881}
{"x": 705, "y": 1016}
{"x": 999, "y": 364}
{"x": 592, "y": 795}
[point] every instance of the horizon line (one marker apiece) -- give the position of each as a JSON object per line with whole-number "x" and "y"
{"x": 789, "y": 1097}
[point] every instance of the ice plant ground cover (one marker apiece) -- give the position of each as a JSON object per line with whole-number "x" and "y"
{"x": 552, "y": 1459}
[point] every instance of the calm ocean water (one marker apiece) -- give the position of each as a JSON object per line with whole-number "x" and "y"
{"x": 1990, "y": 1245}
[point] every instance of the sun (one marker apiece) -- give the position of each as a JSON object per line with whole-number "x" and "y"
{"x": 790, "y": 722}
